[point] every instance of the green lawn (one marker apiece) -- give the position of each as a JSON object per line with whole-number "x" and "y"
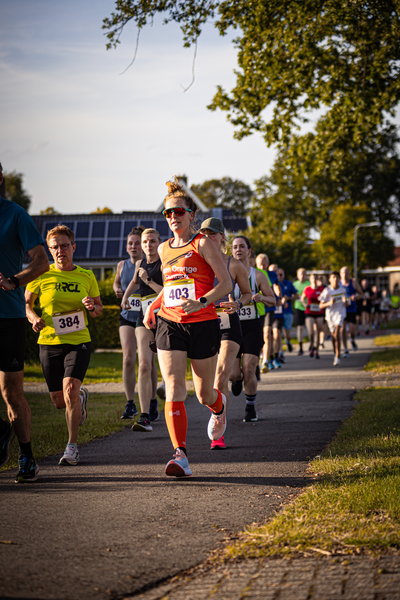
{"x": 49, "y": 429}
{"x": 388, "y": 340}
{"x": 353, "y": 506}
{"x": 104, "y": 367}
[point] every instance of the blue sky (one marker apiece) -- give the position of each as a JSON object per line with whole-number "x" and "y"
{"x": 86, "y": 136}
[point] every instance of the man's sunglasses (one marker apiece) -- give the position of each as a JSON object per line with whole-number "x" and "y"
{"x": 63, "y": 247}
{"x": 178, "y": 211}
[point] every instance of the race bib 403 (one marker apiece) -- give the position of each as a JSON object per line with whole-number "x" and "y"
{"x": 178, "y": 290}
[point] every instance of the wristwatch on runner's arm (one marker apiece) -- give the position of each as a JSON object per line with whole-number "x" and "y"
{"x": 203, "y": 300}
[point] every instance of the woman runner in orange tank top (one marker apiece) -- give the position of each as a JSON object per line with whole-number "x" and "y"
{"x": 187, "y": 322}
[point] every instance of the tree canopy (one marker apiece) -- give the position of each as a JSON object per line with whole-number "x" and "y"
{"x": 101, "y": 211}
{"x": 14, "y": 189}
{"x": 302, "y": 214}
{"x": 339, "y": 56}
{"x": 225, "y": 193}
{"x": 50, "y": 210}
{"x": 336, "y": 61}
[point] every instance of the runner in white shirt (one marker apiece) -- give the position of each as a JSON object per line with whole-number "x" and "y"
{"x": 333, "y": 299}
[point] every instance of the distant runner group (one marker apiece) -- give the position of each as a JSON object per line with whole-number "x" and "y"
{"x": 183, "y": 299}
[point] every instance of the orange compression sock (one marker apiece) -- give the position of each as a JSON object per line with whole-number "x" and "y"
{"x": 218, "y": 406}
{"x": 176, "y": 419}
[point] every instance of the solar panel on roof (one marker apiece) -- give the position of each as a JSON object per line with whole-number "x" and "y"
{"x": 96, "y": 249}
{"x": 162, "y": 228}
{"x": 114, "y": 229}
{"x": 147, "y": 224}
{"x": 98, "y": 229}
{"x": 128, "y": 226}
{"x": 81, "y": 249}
{"x": 82, "y": 229}
{"x": 47, "y": 227}
{"x": 112, "y": 249}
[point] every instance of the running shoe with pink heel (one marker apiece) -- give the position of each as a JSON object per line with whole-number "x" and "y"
{"x": 217, "y": 423}
{"x": 179, "y": 465}
{"x": 218, "y": 444}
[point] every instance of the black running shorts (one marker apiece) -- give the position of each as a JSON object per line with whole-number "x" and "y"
{"x": 300, "y": 316}
{"x": 351, "y": 317}
{"x": 64, "y": 360}
{"x": 253, "y": 338}
{"x": 234, "y": 333}
{"x": 277, "y": 323}
{"x": 123, "y": 322}
{"x": 269, "y": 318}
{"x": 12, "y": 344}
{"x": 199, "y": 340}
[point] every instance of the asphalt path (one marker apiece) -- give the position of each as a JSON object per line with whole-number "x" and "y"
{"x": 115, "y": 523}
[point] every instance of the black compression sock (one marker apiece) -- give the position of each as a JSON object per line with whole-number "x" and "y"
{"x": 25, "y": 449}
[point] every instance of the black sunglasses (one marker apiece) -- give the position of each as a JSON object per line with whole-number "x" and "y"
{"x": 179, "y": 211}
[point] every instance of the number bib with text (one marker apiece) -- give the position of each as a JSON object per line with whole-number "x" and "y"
{"x": 278, "y": 311}
{"x": 146, "y": 301}
{"x": 314, "y": 308}
{"x": 247, "y": 312}
{"x": 223, "y": 318}
{"x": 135, "y": 303}
{"x": 176, "y": 291}
{"x": 68, "y": 322}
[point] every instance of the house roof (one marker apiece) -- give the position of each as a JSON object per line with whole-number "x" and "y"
{"x": 396, "y": 261}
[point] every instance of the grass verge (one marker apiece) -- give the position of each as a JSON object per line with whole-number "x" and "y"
{"x": 49, "y": 430}
{"x": 353, "y": 506}
{"x": 388, "y": 340}
{"x": 104, "y": 367}
{"x": 385, "y": 361}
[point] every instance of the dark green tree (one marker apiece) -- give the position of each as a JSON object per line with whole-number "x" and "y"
{"x": 339, "y": 56}
{"x": 225, "y": 193}
{"x": 334, "y": 248}
{"x": 309, "y": 189}
{"x": 14, "y": 189}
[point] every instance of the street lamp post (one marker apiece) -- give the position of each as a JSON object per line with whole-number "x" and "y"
{"x": 356, "y": 228}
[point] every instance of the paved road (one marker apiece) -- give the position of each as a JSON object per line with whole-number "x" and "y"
{"x": 115, "y": 523}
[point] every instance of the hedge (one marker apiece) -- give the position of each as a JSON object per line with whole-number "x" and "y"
{"x": 103, "y": 331}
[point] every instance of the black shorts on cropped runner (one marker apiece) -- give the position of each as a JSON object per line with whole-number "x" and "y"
{"x": 12, "y": 344}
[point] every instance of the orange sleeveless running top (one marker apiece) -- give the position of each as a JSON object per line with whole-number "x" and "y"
{"x": 185, "y": 262}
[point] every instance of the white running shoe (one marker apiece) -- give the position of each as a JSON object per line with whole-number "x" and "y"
{"x": 83, "y": 397}
{"x": 336, "y": 361}
{"x": 217, "y": 423}
{"x": 179, "y": 465}
{"x": 70, "y": 457}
